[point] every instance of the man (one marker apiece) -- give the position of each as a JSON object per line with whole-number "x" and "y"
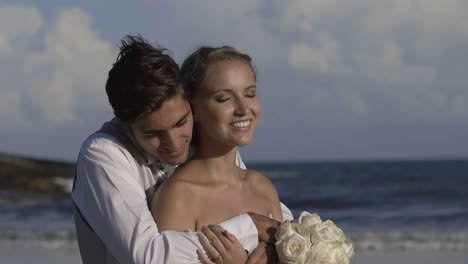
{"x": 120, "y": 167}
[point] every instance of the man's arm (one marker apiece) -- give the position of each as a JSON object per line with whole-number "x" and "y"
{"x": 114, "y": 206}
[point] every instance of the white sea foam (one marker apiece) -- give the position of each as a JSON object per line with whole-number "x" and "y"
{"x": 405, "y": 241}
{"x": 65, "y": 183}
{"x": 363, "y": 241}
{"x": 281, "y": 174}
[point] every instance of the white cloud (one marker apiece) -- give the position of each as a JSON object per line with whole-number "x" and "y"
{"x": 395, "y": 46}
{"x": 459, "y": 105}
{"x": 322, "y": 57}
{"x": 399, "y": 47}
{"x": 17, "y": 25}
{"x": 236, "y": 23}
{"x": 57, "y": 74}
{"x": 375, "y": 37}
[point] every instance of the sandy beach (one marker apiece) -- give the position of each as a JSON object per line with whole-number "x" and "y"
{"x": 26, "y": 254}
{"x": 411, "y": 257}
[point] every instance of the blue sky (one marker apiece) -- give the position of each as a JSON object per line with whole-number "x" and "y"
{"x": 359, "y": 79}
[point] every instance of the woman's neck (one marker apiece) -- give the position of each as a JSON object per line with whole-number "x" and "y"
{"x": 219, "y": 163}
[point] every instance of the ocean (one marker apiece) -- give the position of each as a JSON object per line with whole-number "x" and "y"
{"x": 389, "y": 205}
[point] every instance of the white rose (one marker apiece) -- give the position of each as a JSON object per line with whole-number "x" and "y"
{"x": 307, "y": 218}
{"x": 323, "y": 253}
{"x": 349, "y": 249}
{"x": 293, "y": 249}
{"x": 307, "y": 223}
{"x": 284, "y": 230}
{"x": 327, "y": 232}
{"x": 319, "y": 254}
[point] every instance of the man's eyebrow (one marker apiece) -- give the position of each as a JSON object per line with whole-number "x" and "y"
{"x": 156, "y": 131}
{"x": 182, "y": 119}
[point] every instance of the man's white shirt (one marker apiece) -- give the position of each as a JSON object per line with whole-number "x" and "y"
{"x": 115, "y": 182}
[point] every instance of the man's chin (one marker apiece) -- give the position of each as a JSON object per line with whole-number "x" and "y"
{"x": 174, "y": 161}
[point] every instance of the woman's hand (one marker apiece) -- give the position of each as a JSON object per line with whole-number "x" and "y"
{"x": 221, "y": 247}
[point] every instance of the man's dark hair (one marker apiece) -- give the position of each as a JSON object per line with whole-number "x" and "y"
{"x": 141, "y": 79}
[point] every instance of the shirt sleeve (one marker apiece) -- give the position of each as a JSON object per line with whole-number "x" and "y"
{"x": 114, "y": 205}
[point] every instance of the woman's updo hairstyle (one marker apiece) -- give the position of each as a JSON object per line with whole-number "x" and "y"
{"x": 195, "y": 66}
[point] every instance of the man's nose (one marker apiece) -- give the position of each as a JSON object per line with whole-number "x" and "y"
{"x": 169, "y": 142}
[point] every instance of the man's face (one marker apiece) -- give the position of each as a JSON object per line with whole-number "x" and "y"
{"x": 166, "y": 133}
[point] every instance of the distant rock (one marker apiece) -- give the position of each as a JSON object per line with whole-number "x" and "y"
{"x": 35, "y": 175}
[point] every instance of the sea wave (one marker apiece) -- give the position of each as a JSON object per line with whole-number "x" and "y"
{"x": 57, "y": 239}
{"x": 407, "y": 241}
{"x": 362, "y": 241}
{"x": 272, "y": 174}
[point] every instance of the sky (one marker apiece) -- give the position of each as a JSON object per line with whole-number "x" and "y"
{"x": 337, "y": 80}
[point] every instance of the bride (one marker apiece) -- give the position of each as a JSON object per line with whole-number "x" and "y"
{"x": 210, "y": 188}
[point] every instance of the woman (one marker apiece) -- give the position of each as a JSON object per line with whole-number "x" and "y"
{"x": 221, "y": 86}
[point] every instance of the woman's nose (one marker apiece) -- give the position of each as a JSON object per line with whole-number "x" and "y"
{"x": 241, "y": 108}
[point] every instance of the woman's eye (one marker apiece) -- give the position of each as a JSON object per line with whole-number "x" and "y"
{"x": 221, "y": 99}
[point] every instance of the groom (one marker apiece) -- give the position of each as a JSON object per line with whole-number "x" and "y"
{"x": 120, "y": 167}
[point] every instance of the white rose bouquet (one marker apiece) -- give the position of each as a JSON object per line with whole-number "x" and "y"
{"x": 308, "y": 240}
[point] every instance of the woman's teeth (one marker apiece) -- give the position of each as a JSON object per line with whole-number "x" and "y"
{"x": 241, "y": 124}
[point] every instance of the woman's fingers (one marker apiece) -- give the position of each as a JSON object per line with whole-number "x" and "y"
{"x": 232, "y": 238}
{"x": 223, "y": 247}
{"x": 203, "y": 258}
{"x": 206, "y": 244}
{"x": 225, "y": 244}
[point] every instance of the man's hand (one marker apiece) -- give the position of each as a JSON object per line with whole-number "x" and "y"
{"x": 266, "y": 227}
{"x": 263, "y": 254}
{"x": 221, "y": 247}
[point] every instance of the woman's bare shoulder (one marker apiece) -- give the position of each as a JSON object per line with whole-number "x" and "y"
{"x": 177, "y": 190}
{"x": 258, "y": 179}
{"x": 175, "y": 198}
{"x": 263, "y": 187}
{"x": 260, "y": 182}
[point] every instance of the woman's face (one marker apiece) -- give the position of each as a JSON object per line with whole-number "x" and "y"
{"x": 225, "y": 106}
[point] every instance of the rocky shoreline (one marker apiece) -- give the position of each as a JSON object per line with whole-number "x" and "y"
{"x": 35, "y": 175}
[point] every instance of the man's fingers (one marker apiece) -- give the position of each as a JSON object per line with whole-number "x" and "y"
{"x": 210, "y": 250}
{"x": 266, "y": 227}
{"x": 258, "y": 255}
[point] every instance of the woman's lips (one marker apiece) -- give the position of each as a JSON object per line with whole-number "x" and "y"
{"x": 241, "y": 126}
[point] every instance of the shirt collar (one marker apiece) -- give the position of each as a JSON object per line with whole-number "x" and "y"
{"x": 152, "y": 159}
